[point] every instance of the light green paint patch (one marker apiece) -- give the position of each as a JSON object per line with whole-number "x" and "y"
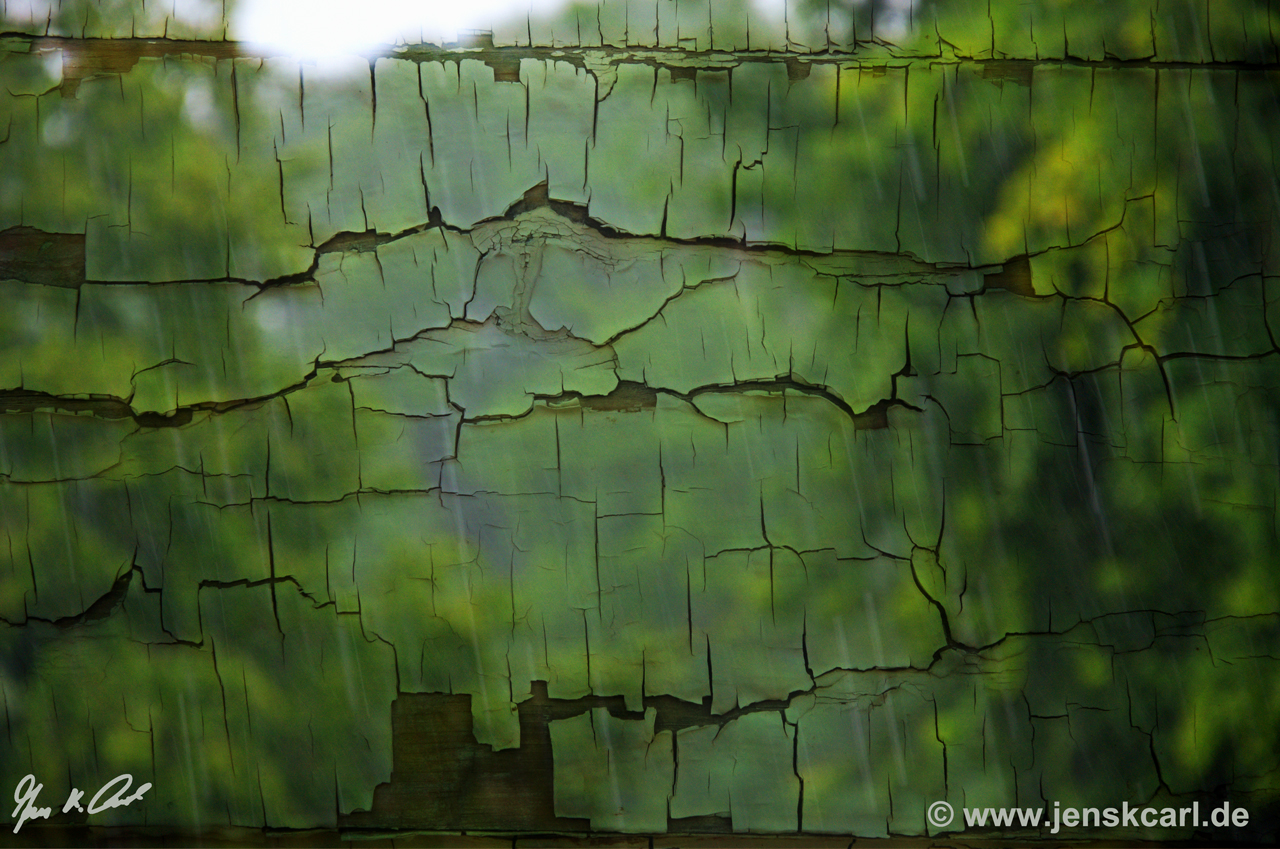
{"x": 402, "y": 452}
{"x": 756, "y": 654}
{"x": 742, "y": 770}
{"x": 870, "y": 613}
{"x": 401, "y": 392}
{"x": 616, "y": 772}
{"x": 495, "y": 373}
{"x": 878, "y": 740}
{"x": 50, "y": 447}
{"x": 597, "y": 297}
{"x": 312, "y": 444}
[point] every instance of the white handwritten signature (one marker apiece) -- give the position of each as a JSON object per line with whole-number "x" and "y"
{"x": 27, "y": 791}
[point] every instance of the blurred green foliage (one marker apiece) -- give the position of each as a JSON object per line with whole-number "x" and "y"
{"x": 917, "y": 374}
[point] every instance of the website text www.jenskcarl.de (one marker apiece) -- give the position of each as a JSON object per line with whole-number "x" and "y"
{"x": 941, "y": 816}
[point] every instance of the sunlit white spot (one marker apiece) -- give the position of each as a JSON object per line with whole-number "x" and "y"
{"x": 199, "y": 106}
{"x": 322, "y": 28}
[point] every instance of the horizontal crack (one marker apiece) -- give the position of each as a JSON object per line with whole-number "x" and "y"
{"x": 87, "y": 57}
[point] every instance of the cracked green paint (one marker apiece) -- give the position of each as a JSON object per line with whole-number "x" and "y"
{"x": 899, "y": 390}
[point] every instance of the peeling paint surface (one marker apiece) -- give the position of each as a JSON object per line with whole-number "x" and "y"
{"x": 647, "y": 418}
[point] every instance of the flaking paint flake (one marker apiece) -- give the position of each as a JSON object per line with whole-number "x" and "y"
{"x": 673, "y": 417}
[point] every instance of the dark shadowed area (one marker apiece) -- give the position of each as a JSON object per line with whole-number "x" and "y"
{"x": 652, "y": 422}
